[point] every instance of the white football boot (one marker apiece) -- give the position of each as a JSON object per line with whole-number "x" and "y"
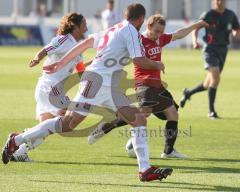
{"x": 173, "y": 154}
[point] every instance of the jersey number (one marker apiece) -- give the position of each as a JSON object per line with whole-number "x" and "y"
{"x": 105, "y": 38}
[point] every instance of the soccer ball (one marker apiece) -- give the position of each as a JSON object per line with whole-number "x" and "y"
{"x": 130, "y": 150}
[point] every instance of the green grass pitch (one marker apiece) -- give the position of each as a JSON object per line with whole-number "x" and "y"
{"x": 70, "y": 164}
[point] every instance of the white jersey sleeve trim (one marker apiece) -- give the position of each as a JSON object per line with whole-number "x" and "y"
{"x": 134, "y": 44}
{"x": 55, "y": 44}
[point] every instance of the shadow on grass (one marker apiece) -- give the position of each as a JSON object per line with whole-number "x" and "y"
{"x": 188, "y": 159}
{"x": 207, "y": 169}
{"x": 201, "y": 159}
{"x": 162, "y": 185}
{"x": 89, "y": 163}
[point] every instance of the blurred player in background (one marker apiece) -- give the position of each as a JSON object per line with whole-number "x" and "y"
{"x": 153, "y": 97}
{"x": 71, "y": 30}
{"x": 222, "y": 22}
{"x": 109, "y": 16}
{"x": 99, "y": 86}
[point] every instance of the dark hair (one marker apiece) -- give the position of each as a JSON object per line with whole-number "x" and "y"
{"x": 135, "y": 11}
{"x": 68, "y": 22}
{"x": 111, "y": 2}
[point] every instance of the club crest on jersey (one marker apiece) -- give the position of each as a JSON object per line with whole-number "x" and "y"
{"x": 229, "y": 27}
{"x": 154, "y": 51}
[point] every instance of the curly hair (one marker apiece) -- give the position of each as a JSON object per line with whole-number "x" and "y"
{"x": 68, "y": 22}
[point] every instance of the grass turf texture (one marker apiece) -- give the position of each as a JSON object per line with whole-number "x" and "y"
{"x": 70, "y": 164}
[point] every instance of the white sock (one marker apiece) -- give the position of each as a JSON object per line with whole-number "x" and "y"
{"x": 34, "y": 144}
{"x": 22, "y": 150}
{"x": 140, "y": 145}
{"x": 25, "y": 147}
{"x": 41, "y": 130}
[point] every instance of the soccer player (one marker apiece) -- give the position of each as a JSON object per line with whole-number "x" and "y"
{"x": 152, "y": 96}
{"x": 110, "y": 16}
{"x": 222, "y": 22}
{"x": 98, "y": 86}
{"x": 71, "y": 30}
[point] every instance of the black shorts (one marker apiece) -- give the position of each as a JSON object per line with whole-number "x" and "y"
{"x": 159, "y": 99}
{"x": 215, "y": 56}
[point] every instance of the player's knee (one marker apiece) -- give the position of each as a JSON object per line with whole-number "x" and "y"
{"x": 146, "y": 112}
{"x": 65, "y": 123}
{"x": 73, "y": 123}
{"x": 215, "y": 81}
{"x": 140, "y": 120}
{"x": 175, "y": 115}
{"x": 45, "y": 116}
{"x": 172, "y": 114}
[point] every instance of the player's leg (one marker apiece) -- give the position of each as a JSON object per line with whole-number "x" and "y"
{"x": 206, "y": 82}
{"x": 166, "y": 109}
{"x": 104, "y": 128}
{"x": 44, "y": 110}
{"x": 139, "y": 141}
{"x": 210, "y": 60}
{"x": 214, "y": 74}
{"x": 187, "y": 93}
{"x": 215, "y": 69}
{"x": 42, "y": 130}
{"x": 138, "y": 122}
{"x": 21, "y": 154}
{"x": 171, "y": 132}
{"x": 45, "y": 116}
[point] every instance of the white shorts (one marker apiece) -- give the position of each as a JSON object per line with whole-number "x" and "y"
{"x": 105, "y": 96}
{"x": 49, "y": 101}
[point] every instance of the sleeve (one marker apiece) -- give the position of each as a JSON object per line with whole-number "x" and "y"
{"x": 165, "y": 39}
{"x": 134, "y": 43}
{"x": 235, "y": 22}
{"x": 203, "y": 16}
{"x": 55, "y": 45}
{"x": 96, "y": 37}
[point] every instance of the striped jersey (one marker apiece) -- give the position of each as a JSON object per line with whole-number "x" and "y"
{"x": 117, "y": 46}
{"x": 56, "y": 49}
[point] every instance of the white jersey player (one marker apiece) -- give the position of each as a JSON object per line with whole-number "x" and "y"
{"x": 53, "y": 84}
{"x": 99, "y": 87}
{"x": 109, "y": 16}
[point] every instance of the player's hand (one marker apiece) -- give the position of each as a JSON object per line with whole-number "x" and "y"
{"x": 196, "y": 45}
{"x": 161, "y": 67}
{"x": 33, "y": 62}
{"x": 53, "y": 68}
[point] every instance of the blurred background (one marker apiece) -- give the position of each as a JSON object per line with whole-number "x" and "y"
{"x": 35, "y": 22}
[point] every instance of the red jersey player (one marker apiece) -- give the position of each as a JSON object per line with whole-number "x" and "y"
{"x": 152, "y": 95}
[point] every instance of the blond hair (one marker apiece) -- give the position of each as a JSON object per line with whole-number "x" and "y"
{"x": 157, "y": 18}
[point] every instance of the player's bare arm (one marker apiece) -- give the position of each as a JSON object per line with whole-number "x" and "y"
{"x": 196, "y": 45}
{"x": 145, "y": 63}
{"x": 181, "y": 33}
{"x": 38, "y": 57}
{"x": 74, "y": 52}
